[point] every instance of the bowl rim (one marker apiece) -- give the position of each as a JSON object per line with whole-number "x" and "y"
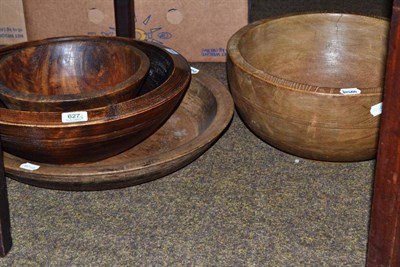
{"x": 136, "y": 77}
{"x": 239, "y": 61}
{"x": 176, "y": 82}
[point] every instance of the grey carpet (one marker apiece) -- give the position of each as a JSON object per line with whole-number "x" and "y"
{"x": 242, "y": 203}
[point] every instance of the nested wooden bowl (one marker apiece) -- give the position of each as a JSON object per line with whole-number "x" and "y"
{"x": 202, "y": 116}
{"x": 70, "y": 74}
{"x": 286, "y": 76}
{"x": 109, "y": 130}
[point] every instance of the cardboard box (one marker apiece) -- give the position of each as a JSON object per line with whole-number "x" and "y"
{"x": 198, "y": 29}
{"x": 51, "y": 18}
{"x": 12, "y": 22}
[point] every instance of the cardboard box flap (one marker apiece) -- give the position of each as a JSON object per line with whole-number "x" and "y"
{"x": 51, "y": 18}
{"x": 12, "y": 22}
{"x": 199, "y": 30}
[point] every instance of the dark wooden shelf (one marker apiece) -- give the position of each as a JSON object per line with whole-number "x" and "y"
{"x": 125, "y": 18}
{"x": 5, "y": 232}
{"x": 384, "y": 239}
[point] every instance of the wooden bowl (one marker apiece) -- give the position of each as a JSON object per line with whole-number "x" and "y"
{"x": 203, "y": 114}
{"x": 107, "y": 131}
{"x": 70, "y": 74}
{"x": 286, "y": 75}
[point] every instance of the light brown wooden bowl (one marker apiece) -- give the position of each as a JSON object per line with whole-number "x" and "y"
{"x": 71, "y": 74}
{"x": 109, "y": 130}
{"x": 286, "y": 76}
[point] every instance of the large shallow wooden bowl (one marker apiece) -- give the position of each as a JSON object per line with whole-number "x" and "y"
{"x": 70, "y": 74}
{"x": 44, "y": 137}
{"x": 286, "y": 76}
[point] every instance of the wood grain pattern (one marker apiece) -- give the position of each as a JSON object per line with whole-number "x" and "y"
{"x": 42, "y": 137}
{"x": 5, "y": 231}
{"x": 71, "y": 74}
{"x": 384, "y": 235}
{"x": 286, "y": 74}
{"x": 204, "y": 113}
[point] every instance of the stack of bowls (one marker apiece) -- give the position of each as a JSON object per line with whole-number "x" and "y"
{"x": 82, "y": 99}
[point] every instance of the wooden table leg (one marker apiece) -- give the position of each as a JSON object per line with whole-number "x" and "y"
{"x": 5, "y": 232}
{"x": 384, "y": 236}
{"x": 125, "y": 18}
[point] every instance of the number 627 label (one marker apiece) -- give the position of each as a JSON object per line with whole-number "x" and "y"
{"x": 76, "y": 116}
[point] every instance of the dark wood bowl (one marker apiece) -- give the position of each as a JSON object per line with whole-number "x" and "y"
{"x": 70, "y": 74}
{"x": 109, "y": 130}
{"x": 202, "y": 116}
{"x": 286, "y": 76}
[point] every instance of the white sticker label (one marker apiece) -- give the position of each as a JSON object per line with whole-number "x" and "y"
{"x": 194, "y": 70}
{"x": 29, "y": 166}
{"x": 376, "y": 109}
{"x": 76, "y": 116}
{"x": 172, "y": 51}
{"x": 350, "y": 91}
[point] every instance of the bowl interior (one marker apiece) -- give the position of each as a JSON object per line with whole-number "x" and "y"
{"x": 168, "y": 75}
{"x": 161, "y": 67}
{"x": 325, "y": 50}
{"x": 69, "y": 67}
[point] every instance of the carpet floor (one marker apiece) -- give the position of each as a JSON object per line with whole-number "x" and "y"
{"x": 242, "y": 203}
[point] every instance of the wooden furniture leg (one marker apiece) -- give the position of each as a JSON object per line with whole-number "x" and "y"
{"x": 384, "y": 236}
{"x": 5, "y": 233}
{"x": 125, "y": 18}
